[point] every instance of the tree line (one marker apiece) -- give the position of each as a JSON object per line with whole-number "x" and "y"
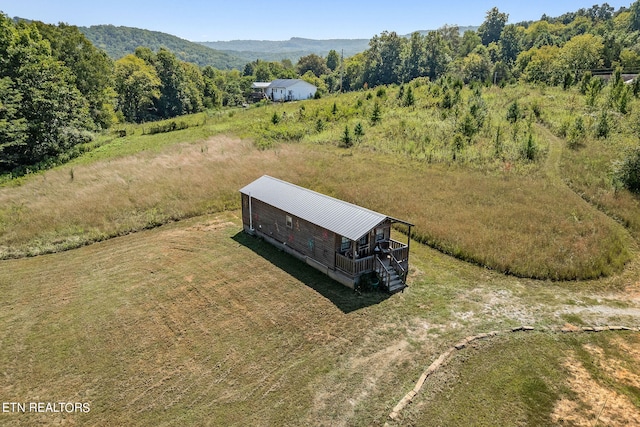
{"x": 57, "y": 88}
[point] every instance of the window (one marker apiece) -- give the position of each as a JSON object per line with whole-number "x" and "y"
{"x": 379, "y": 234}
{"x": 289, "y": 222}
{"x": 345, "y": 244}
{"x": 364, "y": 240}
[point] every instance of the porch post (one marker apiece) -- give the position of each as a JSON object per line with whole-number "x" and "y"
{"x": 354, "y": 246}
{"x": 408, "y": 245}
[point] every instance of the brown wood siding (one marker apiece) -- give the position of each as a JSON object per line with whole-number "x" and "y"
{"x": 306, "y": 238}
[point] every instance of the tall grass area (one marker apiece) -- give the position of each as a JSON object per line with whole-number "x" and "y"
{"x": 473, "y": 179}
{"x": 588, "y": 160}
{"x": 470, "y": 130}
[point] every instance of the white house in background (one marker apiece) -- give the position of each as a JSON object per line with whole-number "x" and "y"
{"x": 287, "y": 89}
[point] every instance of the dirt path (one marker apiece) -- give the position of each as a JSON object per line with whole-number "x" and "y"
{"x": 554, "y": 156}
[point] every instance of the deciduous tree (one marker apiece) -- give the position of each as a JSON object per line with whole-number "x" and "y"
{"x": 137, "y": 85}
{"x": 492, "y": 26}
{"x": 91, "y": 67}
{"x": 333, "y": 60}
{"x": 437, "y": 55}
{"x": 314, "y": 63}
{"x": 383, "y": 59}
{"x": 43, "y": 113}
{"x": 582, "y": 53}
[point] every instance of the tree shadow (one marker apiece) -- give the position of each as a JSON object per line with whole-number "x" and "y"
{"x": 347, "y": 300}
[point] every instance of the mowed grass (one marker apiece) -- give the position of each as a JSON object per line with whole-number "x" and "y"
{"x": 194, "y": 323}
{"x": 197, "y": 323}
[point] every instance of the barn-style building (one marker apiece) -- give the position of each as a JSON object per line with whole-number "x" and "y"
{"x": 341, "y": 239}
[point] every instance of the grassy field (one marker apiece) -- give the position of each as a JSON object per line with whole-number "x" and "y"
{"x": 164, "y": 313}
{"x": 195, "y": 323}
{"x": 512, "y": 216}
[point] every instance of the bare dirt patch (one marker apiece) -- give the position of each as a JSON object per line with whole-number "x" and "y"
{"x": 617, "y": 368}
{"x": 593, "y": 404}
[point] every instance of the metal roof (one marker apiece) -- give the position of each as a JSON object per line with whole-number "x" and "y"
{"x": 287, "y": 83}
{"x": 335, "y": 215}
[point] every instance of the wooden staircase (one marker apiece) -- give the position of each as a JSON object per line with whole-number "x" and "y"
{"x": 391, "y": 279}
{"x": 396, "y": 284}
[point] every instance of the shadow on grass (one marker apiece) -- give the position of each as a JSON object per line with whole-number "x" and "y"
{"x": 347, "y": 300}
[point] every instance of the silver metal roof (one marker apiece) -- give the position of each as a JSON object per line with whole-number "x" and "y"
{"x": 288, "y": 83}
{"x": 335, "y": 215}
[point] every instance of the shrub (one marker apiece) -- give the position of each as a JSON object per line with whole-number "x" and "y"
{"x": 627, "y": 171}
{"x": 458, "y": 145}
{"x": 602, "y": 127}
{"x": 468, "y": 126}
{"x": 576, "y": 134}
{"x": 275, "y": 119}
{"x": 447, "y": 100}
{"x": 635, "y": 87}
{"x": 536, "y": 110}
{"x": 498, "y": 145}
{"x": 623, "y": 100}
{"x": 346, "y": 139}
{"x": 567, "y": 81}
{"x": 530, "y": 149}
{"x": 513, "y": 113}
{"x": 358, "y": 131}
{"x": 584, "y": 83}
{"x": 166, "y": 127}
{"x": 478, "y": 110}
{"x": 409, "y": 98}
{"x": 593, "y": 90}
{"x": 376, "y": 115}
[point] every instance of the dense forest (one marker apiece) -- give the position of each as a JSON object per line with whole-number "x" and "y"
{"x": 57, "y": 88}
{"x": 122, "y": 41}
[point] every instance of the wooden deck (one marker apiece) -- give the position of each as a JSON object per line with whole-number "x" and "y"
{"x": 354, "y": 267}
{"x": 396, "y": 257}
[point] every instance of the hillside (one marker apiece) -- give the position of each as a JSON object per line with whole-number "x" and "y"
{"x": 121, "y": 41}
{"x": 195, "y": 322}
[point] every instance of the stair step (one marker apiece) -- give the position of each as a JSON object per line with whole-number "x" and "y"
{"x": 397, "y": 287}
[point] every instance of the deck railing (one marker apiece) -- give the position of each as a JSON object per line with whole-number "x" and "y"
{"x": 402, "y": 272}
{"x": 354, "y": 267}
{"x": 399, "y": 250}
{"x": 383, "y": 272}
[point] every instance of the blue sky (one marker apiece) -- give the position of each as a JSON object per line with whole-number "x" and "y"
{"x": 214, "y": 20}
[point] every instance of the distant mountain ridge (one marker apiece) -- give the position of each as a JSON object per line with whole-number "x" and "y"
{"x": 295, "y": 47}
{"x": 119, "y": 41}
